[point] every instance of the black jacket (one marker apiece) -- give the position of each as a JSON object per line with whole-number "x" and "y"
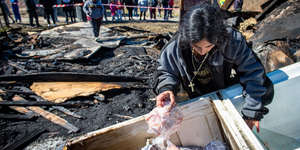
{"x": 48, "y": 4}
{"x": 129, "y": 2}
{"x": 30, "y": 5}
{"x": 258, "y": 91}
{"x": 152, "y": 3}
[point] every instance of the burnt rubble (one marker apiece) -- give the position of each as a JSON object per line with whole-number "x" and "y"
{"x": 125, "y": 63}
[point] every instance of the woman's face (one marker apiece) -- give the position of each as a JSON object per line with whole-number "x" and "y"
{"x": 202, "y": 47}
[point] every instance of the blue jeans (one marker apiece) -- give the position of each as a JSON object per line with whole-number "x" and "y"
{"x": 166, "y": 12}
{"x": 135, "y": 12}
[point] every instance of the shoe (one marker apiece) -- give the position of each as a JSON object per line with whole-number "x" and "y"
{"x": 49, "y": 25}
{"x": 97, "y": 38}
{"x": 31, "y": 26}
{"x": 57, "y": 20}
{"x": 54, "y": 24}
{"x": 38, "y": 25}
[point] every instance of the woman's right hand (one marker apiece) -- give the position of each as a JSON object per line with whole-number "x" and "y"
{"x": 166, "y": 95}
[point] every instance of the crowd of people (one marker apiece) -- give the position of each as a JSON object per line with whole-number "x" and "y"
{"x": 116, "y": 7}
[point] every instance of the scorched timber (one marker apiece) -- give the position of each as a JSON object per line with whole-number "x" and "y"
{"x": 71, "y": 77}
{"x": 45, "y": 103}
{"x": 53, "y": 118}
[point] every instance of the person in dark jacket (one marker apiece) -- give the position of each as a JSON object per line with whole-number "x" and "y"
{"x": 201, "y": 57}
{"x": 129, "y": 3}
{"x": 48, "y": 4}
{"x": 238, "y": 4}
{"x": 68, "y": 10}
{"x": 153, "y": 4}
{"x": 7, "y": 12}
{"x": 165, "y": 4}
{"x": 31, "y": 10}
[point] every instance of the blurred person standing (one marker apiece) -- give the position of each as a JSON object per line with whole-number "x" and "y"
{"x": 48, "y": 10}
{"x": 79, "y": 10}
{"x": 113, "y": 9}
{"x": 152, "y": 4}
{"x": 135, "y": 9}
{"x": 31, "y": 10}
{"x": 165, "y": 4}
{"x": 68, "y": 9}
{"x": 56, "y": 2}
{"x": 143, "y": 8}
{"x": 238, "y": 4}
{"x": 171, "y": 3}
{"x": 158, "y": 8}
{"x": 7, "y": 12}
{"x": 129, "y": 4}
{"x": 15, "y": 9}
{"x": 120, "y": 7}
{"x": 105, "y": 3}
{"x": 94, "y": 11}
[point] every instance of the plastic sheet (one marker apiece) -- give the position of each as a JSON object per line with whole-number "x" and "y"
{"x": 164, "y": 121}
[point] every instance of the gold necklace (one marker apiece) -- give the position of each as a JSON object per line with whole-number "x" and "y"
{"x": 195, "y": 72}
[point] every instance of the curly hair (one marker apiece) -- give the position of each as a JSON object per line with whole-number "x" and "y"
{"x": 203, "y": 22}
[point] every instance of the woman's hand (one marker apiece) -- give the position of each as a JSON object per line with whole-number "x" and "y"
{"x": 166, "y": 95}
{"x": 251, "y": 123}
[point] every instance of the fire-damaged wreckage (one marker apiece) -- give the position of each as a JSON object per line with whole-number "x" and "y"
{"x": 81, "y": 85}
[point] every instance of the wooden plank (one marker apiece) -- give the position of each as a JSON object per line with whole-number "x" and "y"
{"x": 128, "y": 135}
{"x": 51, "y": 117}
{"x": 200, "y": 125}
{"x": 58, "y": 92}
{"x": 227, "y": 4}
{"x": 235, "y": 128}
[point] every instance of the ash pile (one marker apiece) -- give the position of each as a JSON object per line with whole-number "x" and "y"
{"x": 58, "y": 85}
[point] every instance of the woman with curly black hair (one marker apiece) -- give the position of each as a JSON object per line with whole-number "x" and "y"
{"x": 200, "y": 59}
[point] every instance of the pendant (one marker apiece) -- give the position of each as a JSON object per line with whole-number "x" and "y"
{"x": 192, "y": 86}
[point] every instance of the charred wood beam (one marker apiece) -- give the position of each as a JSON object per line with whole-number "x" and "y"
{"x": 9, "y": 70}
{"x": 46, "y": 103}
{"x": 49, "y": 116}
{"x": 71, "y": 77}
{"x": 66, "y": 111}
{"x": 22, "y": 110}
{"x": 18, "y": 66}
{"x": 264, "y": 5}
{"x": 18, "y": 144}
{"x": 17, "y": 92}
{"x": 60, "y": 108}
{"x": 16, "y": 117}
{"x": 269, "y": 9}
